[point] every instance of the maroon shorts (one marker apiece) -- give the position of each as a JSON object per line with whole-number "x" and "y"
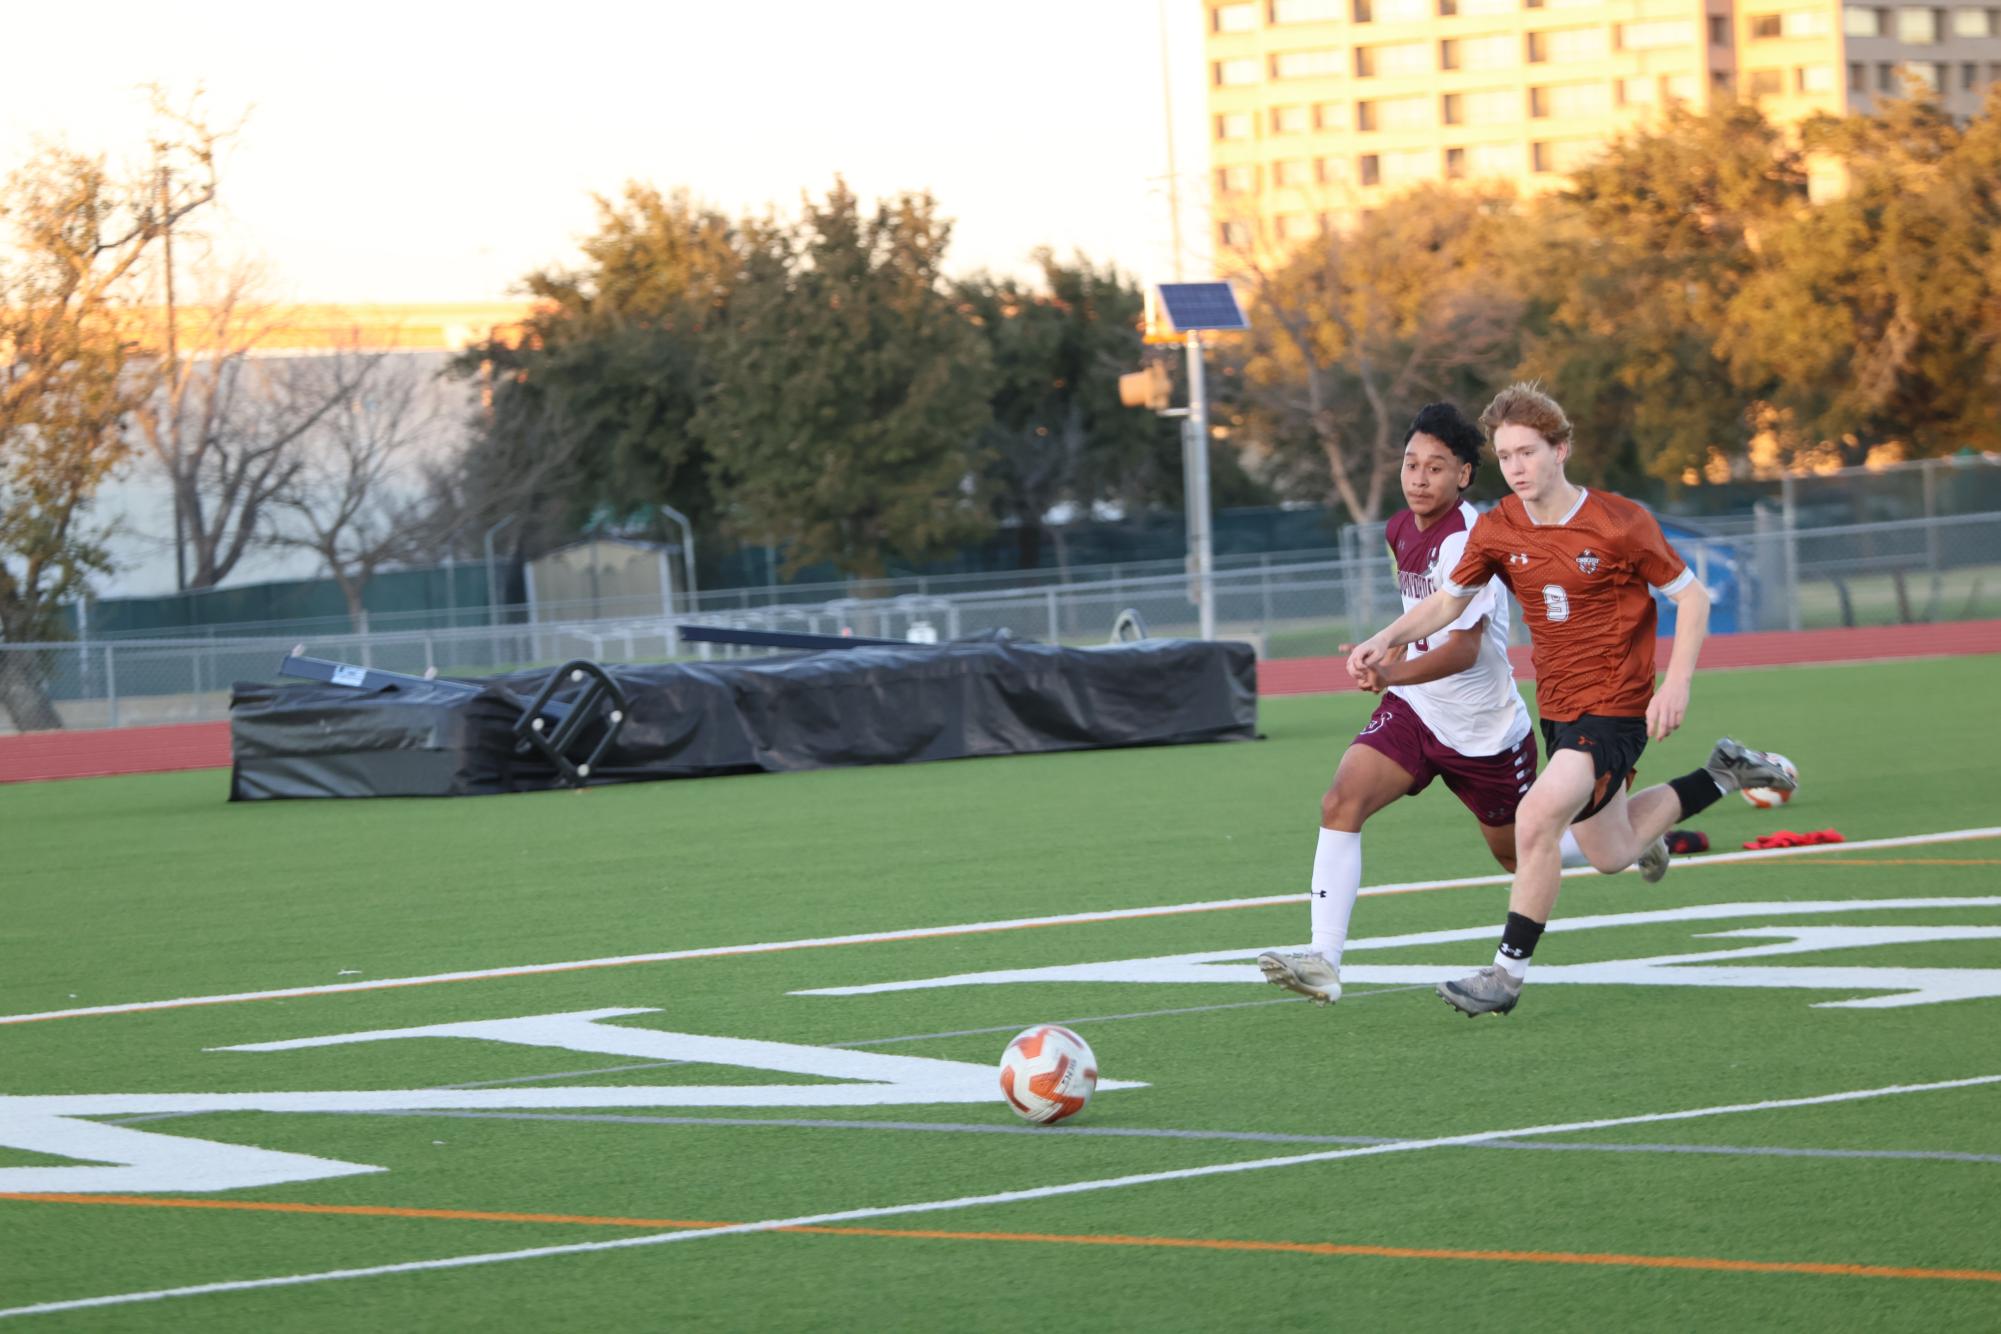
{"x": 1490, "y": 786}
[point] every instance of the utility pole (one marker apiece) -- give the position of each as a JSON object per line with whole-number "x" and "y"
{"x": 173, "y": 383}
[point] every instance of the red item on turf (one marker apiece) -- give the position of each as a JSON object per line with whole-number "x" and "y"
{"x": 1681, "y": 842}
{"x": 1786, "y": 838}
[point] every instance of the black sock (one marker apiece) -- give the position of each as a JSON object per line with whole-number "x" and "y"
{"x": 1519, "y": 936}
{"x": 1698, "y": 792}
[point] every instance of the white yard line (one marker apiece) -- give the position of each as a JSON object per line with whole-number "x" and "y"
{"x": 929, "y": 932}
{"x": 975, "y": 1201}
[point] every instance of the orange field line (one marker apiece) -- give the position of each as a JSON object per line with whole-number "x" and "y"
{"x": 1714, "y": 1264}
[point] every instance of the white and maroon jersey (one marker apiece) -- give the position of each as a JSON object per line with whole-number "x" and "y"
{"x": 1477, "y": 711}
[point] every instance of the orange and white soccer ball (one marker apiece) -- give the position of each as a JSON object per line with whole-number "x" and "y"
{"x": 1767, "y": 798}
{"x": 1048, "y": 1073}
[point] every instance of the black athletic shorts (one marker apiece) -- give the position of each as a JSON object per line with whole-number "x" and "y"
{"x": 1614, "y": 745}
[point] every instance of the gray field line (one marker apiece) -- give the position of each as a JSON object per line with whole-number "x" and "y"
{"x": 1140, "y": 1132}
{"x": 1352, "y": 998}
{"x": 683, "y": 1236}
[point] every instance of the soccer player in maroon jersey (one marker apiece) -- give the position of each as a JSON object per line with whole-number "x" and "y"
{"x": 1584, "y": 564}
{"x": 1450, "y": 709}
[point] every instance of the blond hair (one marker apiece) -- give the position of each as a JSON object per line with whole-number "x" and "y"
{"x": 1523, "y": 403}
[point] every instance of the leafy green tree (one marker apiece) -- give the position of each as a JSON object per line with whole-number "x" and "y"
{"x": 70, "y": 377}
{"x": 1877, "y": 316}
{"x": 1059, "y": 434}
{"x": 589, "y": 407}
{"x": 1354, "y": 331}
{"x": 1629, "y": 277}
{"x": 847, "y": 389}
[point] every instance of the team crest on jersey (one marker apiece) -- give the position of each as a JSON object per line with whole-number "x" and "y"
{"x": 1587, "y": 561}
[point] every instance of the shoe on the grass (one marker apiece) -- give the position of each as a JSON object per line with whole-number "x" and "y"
{"x": 1492, "y": 990}
{"x": 1653, "y": 862}
{"x": 1306, "y": 972}
{"x": 1736, "y": 766}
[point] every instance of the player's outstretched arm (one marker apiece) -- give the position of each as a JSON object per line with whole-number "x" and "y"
{"x": 1448, "y": 657}
{"x": 1426, "y": 618}
{"x": 1669, "y": 705}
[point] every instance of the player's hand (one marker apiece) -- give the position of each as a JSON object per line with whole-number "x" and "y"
{"x": 1366, "y": 655}
{"x": 1666, "y": 710}
{"x": 1372, "y": 681}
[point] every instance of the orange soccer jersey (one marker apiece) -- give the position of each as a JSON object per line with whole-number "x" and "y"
{"x": 1585, "y": 588}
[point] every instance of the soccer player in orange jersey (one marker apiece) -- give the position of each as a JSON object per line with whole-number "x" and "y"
{"x": 1584, "y": 565}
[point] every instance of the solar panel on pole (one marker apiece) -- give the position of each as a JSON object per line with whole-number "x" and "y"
{"x": 1197, "y": 306}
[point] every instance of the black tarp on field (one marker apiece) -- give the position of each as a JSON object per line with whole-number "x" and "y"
{"x": 887, "y": 705}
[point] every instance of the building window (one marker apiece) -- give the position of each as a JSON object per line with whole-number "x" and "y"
{"x": 1292, "y": 173}
{"x": 1969, "y": 75}
{"x": 1540, "y": 156}
{"x": 1858, "y": 77}
{"x": 1234, "y": 18}
{"x": 1234, "y": 73}
{"x": 1858, "y": 22}
{"x": 1370, "y": 169}
{"x": 1766, "y": 83}
{"x": 1455, "y": 164}
{"x": 1418, "y": 164}
{"x": 1448, "y": 53}
{"x": 1886, "y": 78}
{"x": 1495, "y": 51}
{"x": 1719, "y": 30}
{"x": 1235, "y": 235}
{"x": 1580, "y": 99}
{"x": 1334, "y": 170}
{"x": 1308, "y": 11}
{"x": 1493, "y": 106}
{"x": 1917, "y": 26}
{"x": 1561, "y": 155}
{"x": 1762, "y": 25}
{"x": 1641, "y": 90}
{"x": 1331, "y": 115}
{"x": 1807, "y": 23}
{"x": 1538, "y": 103}
{"x": 1814, "y": 79}
{"x": 1973, "y": 23}
{"x": 1233, "y": 125}
{"x": 1452, "y": 109}
{"x": 1238, "y": 180}
{"x": 1306, "y": 64}
{"x": 1365, "y": 117}
{"x": 1404, "y": 113}
{"x": 1570, "y": 45}
{"x": 1682, "y": 87}
{"x": 1393, "y": 59}
{"x": 1656, "y": 33}
{"x": 1494, "y": 160}
{"x": 1291, "y": 120}
{"x": 1926, "y": 73}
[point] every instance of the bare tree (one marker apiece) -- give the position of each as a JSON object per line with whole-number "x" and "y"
{"x": 67, "y": 374}
{"x": 1354, "y": 330}
{"x": 355, "y": 497}
{"x": 226, "y": 424}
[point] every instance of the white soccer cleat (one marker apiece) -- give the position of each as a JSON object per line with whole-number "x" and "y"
{"x": 1306, "y": 972}
{"x": 1653, "y": 862}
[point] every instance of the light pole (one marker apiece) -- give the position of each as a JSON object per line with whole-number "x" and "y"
{"x": 1191, "y": 309}
{"x": 492, "y": 592}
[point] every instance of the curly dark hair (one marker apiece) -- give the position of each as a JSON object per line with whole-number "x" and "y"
{"x": 1446, "y": 423}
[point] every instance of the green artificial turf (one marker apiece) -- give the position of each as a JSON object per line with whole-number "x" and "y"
{"x": 154, "y": 888}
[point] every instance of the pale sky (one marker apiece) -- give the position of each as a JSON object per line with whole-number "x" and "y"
{"x": 430, "y": 152}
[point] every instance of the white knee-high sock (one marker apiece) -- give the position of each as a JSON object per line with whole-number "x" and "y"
{"x": 1572, "y": 854}
{"x": 1337, "y": 879}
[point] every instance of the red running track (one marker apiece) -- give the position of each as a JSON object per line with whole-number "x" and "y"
{"x": 1765, "y": 648}
{"x": 140, "y": 750}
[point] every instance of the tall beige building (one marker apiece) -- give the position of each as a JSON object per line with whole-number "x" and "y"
{"x": 1319, "y": 108}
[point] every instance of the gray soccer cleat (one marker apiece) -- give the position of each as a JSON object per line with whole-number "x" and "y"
{"x": 1736, "y": 766}
{"x": 1492, "y": 990}
{"x": 1653, "y": 862}
{"x": 1306, "y": 972}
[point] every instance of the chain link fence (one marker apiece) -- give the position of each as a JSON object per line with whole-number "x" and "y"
{"x": 1909, "y": 572}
